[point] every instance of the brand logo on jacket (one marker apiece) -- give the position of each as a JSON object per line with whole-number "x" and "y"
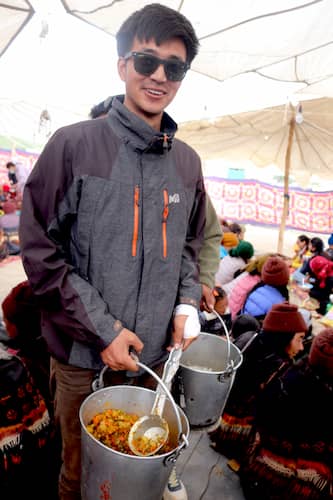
{"x": 174, "y": 198}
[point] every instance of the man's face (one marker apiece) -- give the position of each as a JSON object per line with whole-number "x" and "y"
{"x": 148, "y": 96}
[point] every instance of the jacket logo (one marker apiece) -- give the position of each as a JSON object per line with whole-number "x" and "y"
{"x": 174, "y": 198}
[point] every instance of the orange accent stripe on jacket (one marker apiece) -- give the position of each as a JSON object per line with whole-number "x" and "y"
{"x": 135, "y": 220}
{"x": 164, "y": 223}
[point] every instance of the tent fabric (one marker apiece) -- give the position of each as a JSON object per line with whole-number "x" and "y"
{"x": 14, "y": 15}
{"x": 254, "y": 202}
{"x": 275, "y": 40}
{"x": 262, "y": 137}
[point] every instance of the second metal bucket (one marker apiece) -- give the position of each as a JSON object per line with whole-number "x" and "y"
{"x": 206, "y": 374}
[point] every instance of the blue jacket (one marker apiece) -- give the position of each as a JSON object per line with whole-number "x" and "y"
{"x": 261, "y": 300}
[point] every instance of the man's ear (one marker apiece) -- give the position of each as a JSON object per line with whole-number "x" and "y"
{"x": 122, "y": 68}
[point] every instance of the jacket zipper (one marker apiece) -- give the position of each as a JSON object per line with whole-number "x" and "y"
{"x": 135, "y": 220}
{"x": 164, "y": 223}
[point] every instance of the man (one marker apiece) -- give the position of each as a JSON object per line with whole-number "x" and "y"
{"x": 112, "y": 222}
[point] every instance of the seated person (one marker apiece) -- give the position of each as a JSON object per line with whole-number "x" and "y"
{"x": 229, "y": 240}
{"x": 269, "y": 354}
{"x": 321, "y": 269}
{"x": 302, "y": 251}
{"x": 293, "y": 450}
{"x": 26, "y": 431}
{"x": 243, "y": 329}
{"x": 271, "y": 290}
{"x": 234, "y": 262}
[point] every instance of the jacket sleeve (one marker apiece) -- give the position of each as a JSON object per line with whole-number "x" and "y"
{"x": 50, "y": 204}
{"x": 189, "y": 287}
{"x": 209, "y": 256}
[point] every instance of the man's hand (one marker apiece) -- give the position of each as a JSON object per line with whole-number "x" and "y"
{"x": 178, "y": 338}
{"x": 117, "y": 356}
{"x": 207, "y": 299}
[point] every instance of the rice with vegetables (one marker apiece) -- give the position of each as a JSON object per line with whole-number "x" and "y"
{"x": 111, "y": 427}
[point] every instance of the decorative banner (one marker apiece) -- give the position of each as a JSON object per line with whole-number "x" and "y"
{"x": 15, "y": 156}
{"x": 253, "y": 202}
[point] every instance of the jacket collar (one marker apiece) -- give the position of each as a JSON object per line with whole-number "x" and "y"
{"x": 135, "y": 131}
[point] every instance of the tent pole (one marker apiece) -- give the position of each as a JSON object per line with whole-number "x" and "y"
{"x": 285, "y": 209}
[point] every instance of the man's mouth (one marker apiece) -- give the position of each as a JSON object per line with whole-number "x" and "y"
{"x": 155, "y": 92}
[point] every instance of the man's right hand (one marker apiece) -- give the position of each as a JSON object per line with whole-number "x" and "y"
{"x": 117, "y": 354}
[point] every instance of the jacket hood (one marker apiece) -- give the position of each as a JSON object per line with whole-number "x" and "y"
{"x": 135, "y": 131}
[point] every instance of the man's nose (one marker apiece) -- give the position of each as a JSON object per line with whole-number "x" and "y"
{"x": 159, "y": 74}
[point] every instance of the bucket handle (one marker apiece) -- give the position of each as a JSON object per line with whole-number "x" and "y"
{"x": 98, "y": 383}
{"x": 230, "y": 362}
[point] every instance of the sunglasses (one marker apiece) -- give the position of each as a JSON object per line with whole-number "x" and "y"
{"x": 147, "y": 64}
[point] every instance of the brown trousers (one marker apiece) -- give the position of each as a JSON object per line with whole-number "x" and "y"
{"x": 71, "y": 386}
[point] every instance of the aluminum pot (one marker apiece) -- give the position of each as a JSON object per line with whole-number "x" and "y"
{"x": 206, "y": 374}
{"x": 112, "y": 475}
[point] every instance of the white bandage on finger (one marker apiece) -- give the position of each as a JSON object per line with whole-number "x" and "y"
{"x": 192, "y": 323}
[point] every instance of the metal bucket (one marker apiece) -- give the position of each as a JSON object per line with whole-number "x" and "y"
{"x": 109, "y": 474}
{"x": 206, "y": 374}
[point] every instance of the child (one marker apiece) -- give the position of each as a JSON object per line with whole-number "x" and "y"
{"x": 209, "y": 322}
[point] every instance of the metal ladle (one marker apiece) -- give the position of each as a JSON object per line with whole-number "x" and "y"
{"x": 153, "y": 430}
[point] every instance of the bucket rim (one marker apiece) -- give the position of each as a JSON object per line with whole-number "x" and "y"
{"x": 215, "y": 372}
{"x": 135, "y": 457}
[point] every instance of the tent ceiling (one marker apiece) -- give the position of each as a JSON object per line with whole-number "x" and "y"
{"x": 262, "y": 137}
{"x": 14, "y": 15}
{"x": 281, "y": 40}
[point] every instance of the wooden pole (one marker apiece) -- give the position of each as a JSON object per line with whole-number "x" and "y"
{"x": 285, "y": 210}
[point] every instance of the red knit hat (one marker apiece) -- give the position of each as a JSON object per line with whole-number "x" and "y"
{"x": 20, "y": 308}
{"x": 275, "y": 272}
{"x": 284, "y": 318}
{"x": 321, "y": 352}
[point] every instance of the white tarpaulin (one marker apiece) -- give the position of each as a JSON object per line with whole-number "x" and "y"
{"x": 286, "y": 41}
{"x": 14, "y": 15}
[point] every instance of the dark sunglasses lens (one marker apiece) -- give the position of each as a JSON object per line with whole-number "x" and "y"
{"x": 145, "y": 64}
{"x": 175, "y": 71}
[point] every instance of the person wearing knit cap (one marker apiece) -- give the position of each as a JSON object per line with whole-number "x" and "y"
{"x": 229, "y": 240}
{"x": 329, "y": 249}
{"x": 22, "y": 319}
{"x": 240, "y": 287}
{"x": 272, "y": 289}
{"x": 234, "y": 262}
{"x": 267, "y": 355}
{"x": 322, "y": 272}
{"x": 294, "y": 416}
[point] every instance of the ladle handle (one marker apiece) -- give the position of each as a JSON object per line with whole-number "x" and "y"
{"x": 167, "y": 392}
{"x": 170, "y": 369}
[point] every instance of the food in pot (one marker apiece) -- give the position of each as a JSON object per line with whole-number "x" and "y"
{"x": 111, "y": 427}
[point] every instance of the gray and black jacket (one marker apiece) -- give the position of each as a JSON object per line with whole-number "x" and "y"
{"x": 112, "y": 223}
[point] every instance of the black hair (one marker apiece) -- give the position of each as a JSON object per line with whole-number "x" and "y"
{"x": 318, "y": 244}
{"x": 159, "y": 23}
{"x": 276, "y": 342}
{"x": 219, "y": 293}
{"x": 10, "y": 164}
{"x": 235, "y": 228}
{"x": 101, "y": 108}
{"x": 244, "y": 323}
{"x": 305, "y": 238}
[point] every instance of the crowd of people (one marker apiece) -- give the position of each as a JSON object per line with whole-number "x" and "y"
{"x": 123, "y": 250}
